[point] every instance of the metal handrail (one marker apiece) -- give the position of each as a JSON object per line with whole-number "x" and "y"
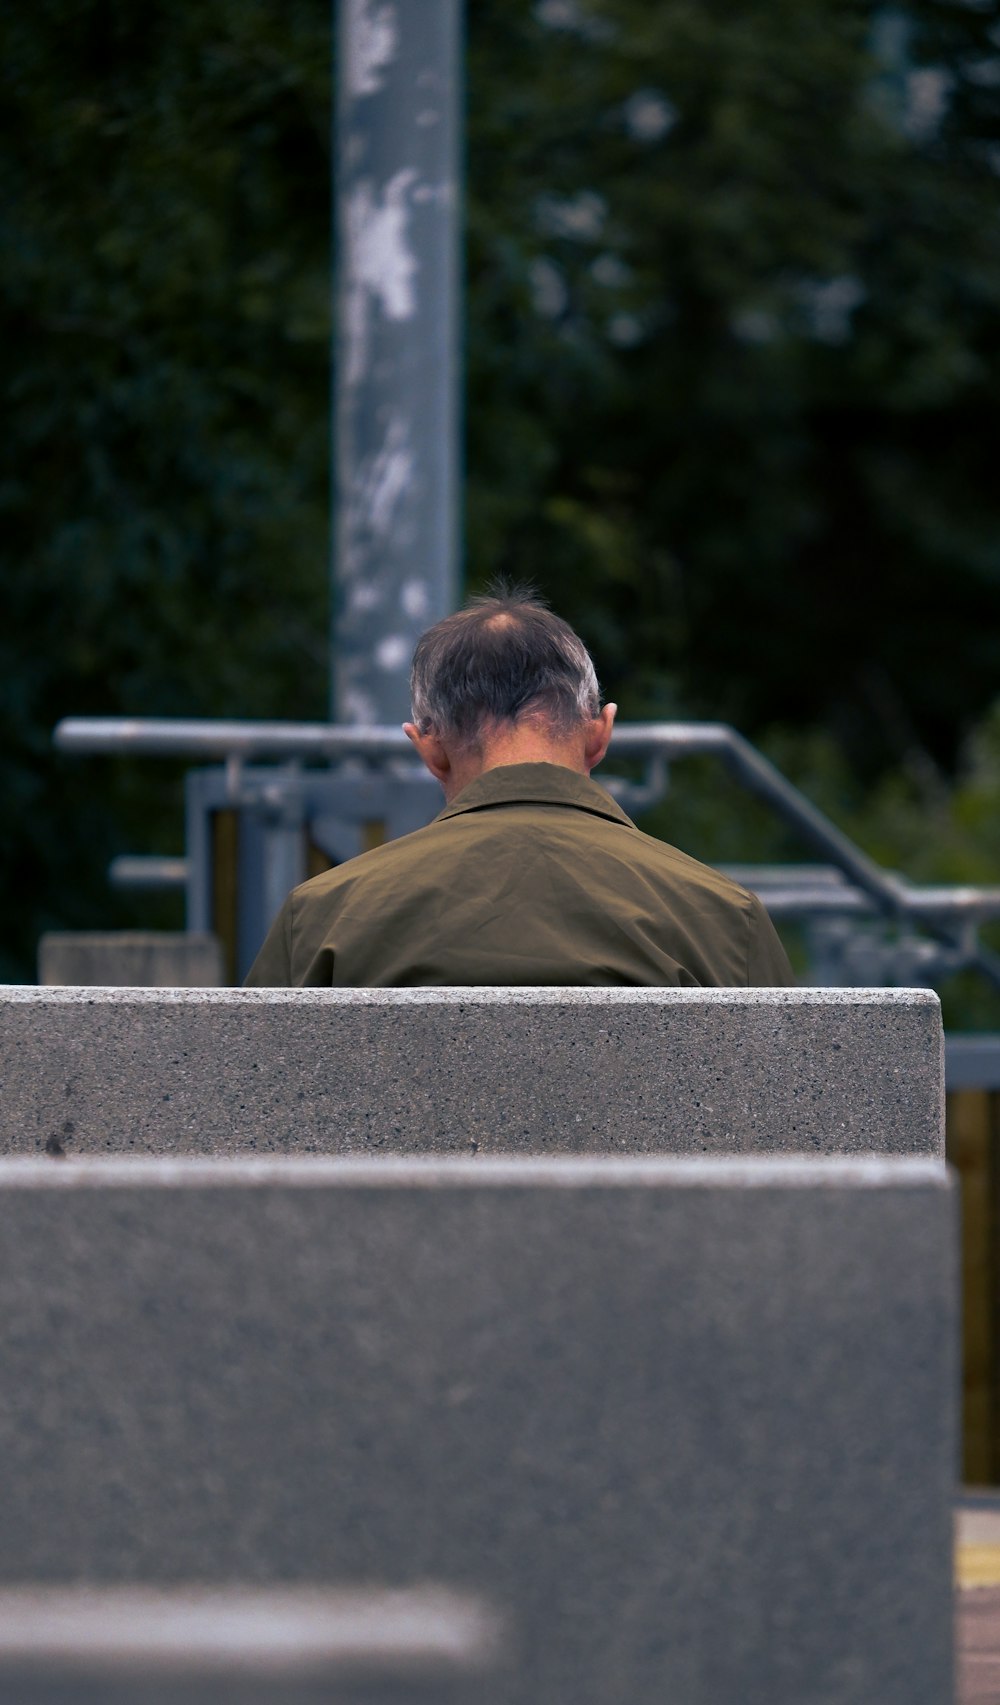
{"x": 937, "y": 908}
{"x": 182, "y": 737}
{"x": 760, "y": 777}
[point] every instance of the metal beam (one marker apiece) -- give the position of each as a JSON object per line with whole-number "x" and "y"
{"x": 972, "y": 1062}
{"x": 189, "y": 737}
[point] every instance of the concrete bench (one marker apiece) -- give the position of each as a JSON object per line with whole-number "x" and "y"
{"x": 460, "y": 1071}
{"x": 687, "y": 1424}
{"x": 198, "y": 1646}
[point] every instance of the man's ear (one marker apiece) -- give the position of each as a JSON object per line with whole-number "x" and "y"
{"x": 599, "y": 736}
{"x": 431, "y": 751}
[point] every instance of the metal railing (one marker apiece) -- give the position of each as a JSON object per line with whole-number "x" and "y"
{"x": 950, "y": 914}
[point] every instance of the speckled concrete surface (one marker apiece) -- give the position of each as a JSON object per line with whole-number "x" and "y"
{"x": 688, "y": 1425}
{"x": 465, "y": 1071}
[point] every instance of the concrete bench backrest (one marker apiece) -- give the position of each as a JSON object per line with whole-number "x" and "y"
{"x": 464, "y": 1071}
{"x": 686, "y": 1424}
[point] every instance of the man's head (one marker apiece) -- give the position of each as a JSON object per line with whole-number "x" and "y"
{"x": 505, "y": 681}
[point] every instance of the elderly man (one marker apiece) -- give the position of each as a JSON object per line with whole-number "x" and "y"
{"x": 531, "y": 874}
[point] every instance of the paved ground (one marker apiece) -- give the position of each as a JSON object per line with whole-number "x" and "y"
{"x": 978, "y": 1646}
{"x": 977, "y": 1569}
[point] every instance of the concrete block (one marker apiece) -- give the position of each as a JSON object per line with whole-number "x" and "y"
{"x": 688, "y": 1425}
{"x": 157, "y": 959}
{"x": 204, "y": 1646}
{"x": 466, "y": 1071}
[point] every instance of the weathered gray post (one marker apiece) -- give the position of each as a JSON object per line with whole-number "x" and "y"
{"x": 395, "y": 366}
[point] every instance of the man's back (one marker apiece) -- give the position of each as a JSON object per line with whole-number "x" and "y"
{"x": 531, "y": 875}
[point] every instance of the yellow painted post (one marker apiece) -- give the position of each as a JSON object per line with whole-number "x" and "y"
{"x": 973, "y": 1127}
{"x": 316, "y": 859}
{"x": 225, "y": 845}
{"x": 372, "y": 834}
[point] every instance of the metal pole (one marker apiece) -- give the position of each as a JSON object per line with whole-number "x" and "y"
{"x": 396, "y": 354}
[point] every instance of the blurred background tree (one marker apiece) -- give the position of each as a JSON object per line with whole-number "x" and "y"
{"x": 164, "y": 182}
{"x": 732, "y": 341}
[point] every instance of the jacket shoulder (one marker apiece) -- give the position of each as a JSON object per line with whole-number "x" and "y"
{"x": 682, "y": 867}
{"x": 382, "y": 861}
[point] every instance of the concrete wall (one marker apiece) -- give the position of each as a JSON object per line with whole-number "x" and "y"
{"x": 462, "y": 1071}
{"x": 130, "y": 958}
{"x": 688, "y": 1424}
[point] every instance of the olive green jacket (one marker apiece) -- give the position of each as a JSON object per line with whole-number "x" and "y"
{"x": 531, "y": 875}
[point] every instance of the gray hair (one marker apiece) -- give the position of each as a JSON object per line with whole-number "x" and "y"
{"x": 502, "y": 659}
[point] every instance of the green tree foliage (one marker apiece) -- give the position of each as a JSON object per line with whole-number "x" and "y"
{"x": 164, "y": 182}
{"x": 733, "y": 291}
{"x": 739, "y": 273}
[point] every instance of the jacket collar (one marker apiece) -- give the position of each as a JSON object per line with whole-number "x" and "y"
{"x": 535, "y": 784}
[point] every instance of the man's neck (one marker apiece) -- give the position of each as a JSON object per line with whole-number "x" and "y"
{"x": 530, "y": 741}
{"x": 518, "y": 746}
